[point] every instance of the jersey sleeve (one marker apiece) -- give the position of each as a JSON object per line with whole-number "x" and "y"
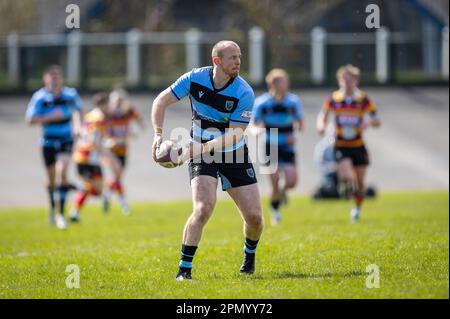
{"x": 371, "y": 107}
{"x": 298, "y": 109}
{"x": 134, "y": 113}
{"x": 181, "y": 87}
{"x": 328, "y": 105}
{"x": 34, "y": 107}
{"x": 257, "y": 111}
{"x": 243, "y": 113}
{"x": 78, "y": 102}
{"x": 98, "y": 132}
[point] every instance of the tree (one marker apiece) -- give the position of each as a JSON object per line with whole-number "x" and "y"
{"x": 280, "y": 18}
{"x": 17, "y": 16}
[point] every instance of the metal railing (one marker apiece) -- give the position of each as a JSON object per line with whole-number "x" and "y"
{"x": 193, "y": 39}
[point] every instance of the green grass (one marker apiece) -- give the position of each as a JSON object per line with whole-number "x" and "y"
{"x": 315, "y": 253}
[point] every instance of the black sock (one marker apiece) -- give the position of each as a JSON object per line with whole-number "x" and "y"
{"x": 62, "y": 191}
{"x": 187, "y": 255}
{"x": 275, "y": 204}
{"x": 51, "y": 196}
{"x": 250, "y": 246}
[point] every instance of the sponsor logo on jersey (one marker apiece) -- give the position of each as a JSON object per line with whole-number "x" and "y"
{"x": 246, "y": 114}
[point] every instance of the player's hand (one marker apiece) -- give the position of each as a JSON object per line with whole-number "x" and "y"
{"x": 57, "y": 114}
{"x": 375, "y": 122}
{"x": 290, "y": 140}
{"x": 321, "y": 129}
{"x": 157, "y": 140}
{"x": 76, "y": 131}
{"x": 53, "y": 116}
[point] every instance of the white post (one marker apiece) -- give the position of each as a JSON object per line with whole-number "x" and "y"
{"x": 74, "y": 58}
{"x": 430, "y": 48}
{"x": 192, "y": 49}
{"x": 445, "y": 53}
{"x": 382, "y": 55}
{"x": 256, "y": 55}
{"x": 13, "y": 59}
{"x": 134, "y": 57}
{"x": 318, "y": 55}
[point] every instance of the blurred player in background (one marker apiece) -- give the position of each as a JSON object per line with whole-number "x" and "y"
{"x": 281, "y": 110}
{"x": 350, "y": 105}
{"x": 221, "y": 103}
{"x": 89, "y": 151}
{"x": 325, "y": 159}
{"x": 56, "y": 107}
{"x": 120, "y": 115}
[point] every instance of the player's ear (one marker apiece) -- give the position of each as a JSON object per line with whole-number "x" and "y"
{"x": 216, "y": 60}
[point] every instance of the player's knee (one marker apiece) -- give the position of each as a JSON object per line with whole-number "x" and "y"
{"x": 202, "y": 211}
{"x": 291, "y": 182}
{"x": 256, "y": 221}
{"x": 98, "y": 188}
{"x": 347, "y": 177}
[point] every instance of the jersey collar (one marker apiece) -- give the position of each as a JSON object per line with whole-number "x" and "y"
{"x": 212, "y": 82}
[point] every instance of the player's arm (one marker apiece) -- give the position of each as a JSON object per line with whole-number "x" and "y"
{"x": 55, "y": 116}
{"x": 299, "y": 126}
{"x": 77, "y": 114}
{"x": 76, "y": 119}
{"x": 34, "y": 114}
{"x": 169, "y": 96}
{"x": 231, "y": 136}
{"x": 138, "y": 118}
{"x": 257, "y": 125}
{"x": 374, "y": 119}
{"x": 162, "y": 101}
{"x": 298, "y": 115}
{"x": 322, "y": 118}
{"x": 256, "y": 128}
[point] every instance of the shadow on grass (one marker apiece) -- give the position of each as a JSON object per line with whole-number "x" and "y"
{"x": 289, "y": 275}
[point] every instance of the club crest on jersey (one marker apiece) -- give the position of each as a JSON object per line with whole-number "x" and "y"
{"x": 229, "y": 105}
{"x": 251, "y": 172}
{"x": 200, "y": 94}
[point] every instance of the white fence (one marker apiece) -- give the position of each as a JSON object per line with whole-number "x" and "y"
{"x": 318, "y": 40}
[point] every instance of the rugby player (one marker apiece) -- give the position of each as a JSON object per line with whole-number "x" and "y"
{"x": 221, "y": 103}
{"x": 281, "y": 110}
{"x": 350, "y": 104}
{"x": 89, "y": 151}
{"x": 55, "y": 107}
{"x": 120, "y": 115}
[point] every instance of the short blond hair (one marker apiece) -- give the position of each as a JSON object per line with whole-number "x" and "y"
{"x": 350, "y": 69}
{"x": 274, "y": 75}
{"x": 220, "y": 46}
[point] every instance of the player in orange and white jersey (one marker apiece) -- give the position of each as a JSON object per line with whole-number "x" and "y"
{"x": 121, "y": 115}
{"x": 90, "y": 151}
{"x": 350, "y": 105}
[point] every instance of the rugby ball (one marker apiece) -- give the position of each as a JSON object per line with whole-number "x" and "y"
{"x": 168, "y": 153}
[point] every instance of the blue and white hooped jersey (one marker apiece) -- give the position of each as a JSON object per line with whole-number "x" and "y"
{"x": 278, "y": 114}
{"x": 44, "y": 102}
{"x": 214, "y": 109}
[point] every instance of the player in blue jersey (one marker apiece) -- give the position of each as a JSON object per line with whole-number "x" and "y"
{"x": 221, "y": 103}
{"x": 53, "y": 107}
{"x": 278, "y": 109}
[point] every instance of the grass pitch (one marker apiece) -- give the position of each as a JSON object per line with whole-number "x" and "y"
{"x": 315, "y": 253}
